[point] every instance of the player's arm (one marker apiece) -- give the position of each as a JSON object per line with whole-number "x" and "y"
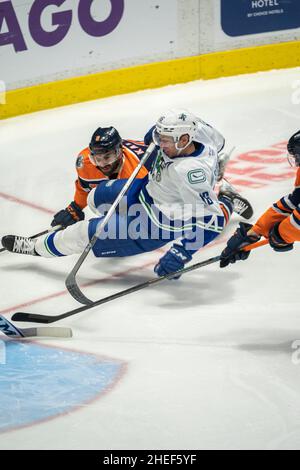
{"x": 148, "y": 136}
{"x": 284, "y": 213}
{"x": 73, "y": 212}
{"x": 284, "y": 233}
{"x": 281, "y": 235}
{"x": 275, "y": 214}
{"x": 287, "y": 231}
{"x": 246, "y": 234}
{"x": 280, "y": 224}
{"x": 81, "y": 194}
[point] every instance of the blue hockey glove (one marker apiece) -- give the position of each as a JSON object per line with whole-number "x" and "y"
{"x": 68, "y": 216}
{"x": 277, "y": 242}
{"x": 239, "y": 239}
{"x": 174, "y": 260}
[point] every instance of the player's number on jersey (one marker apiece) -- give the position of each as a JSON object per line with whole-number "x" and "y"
{"x": 206, "y": 199}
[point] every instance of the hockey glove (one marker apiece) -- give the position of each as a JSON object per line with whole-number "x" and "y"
{"x": 277, "y": 242}
{"x": 68, "y": 216}
{"x": 239, "y": 239}
{"x": 174, "y": 260}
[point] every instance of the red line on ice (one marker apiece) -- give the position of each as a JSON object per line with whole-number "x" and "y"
{"x": 17, "y": 200}
{"x": 91, "y": 283}
{"x": 64, "y": 292}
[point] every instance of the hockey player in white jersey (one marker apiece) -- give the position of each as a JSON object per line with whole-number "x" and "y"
{"x": 176, "y": 201}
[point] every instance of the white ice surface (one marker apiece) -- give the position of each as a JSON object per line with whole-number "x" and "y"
{"x": 209, "y": 358}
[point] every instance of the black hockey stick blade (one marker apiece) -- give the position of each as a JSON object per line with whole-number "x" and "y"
{"x": 33, "y": 317}
{"x": 73, "y": 287}
{"x": 76, "y": 293}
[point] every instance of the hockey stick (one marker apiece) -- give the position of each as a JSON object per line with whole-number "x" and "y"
{"x": 10, "y": 330}
{"x": 71, "y": 283}
{"x": 52, "y": 229}
{"x": 32, "y": 317}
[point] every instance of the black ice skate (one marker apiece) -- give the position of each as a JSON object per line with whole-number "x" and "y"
{"x": 16, "y": 244}
{"x": 241, "y": 205}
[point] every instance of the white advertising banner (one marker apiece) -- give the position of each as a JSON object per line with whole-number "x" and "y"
{"x": 46, "y": 40}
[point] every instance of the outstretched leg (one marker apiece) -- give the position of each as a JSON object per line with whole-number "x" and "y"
{"x": 70, "y": 241}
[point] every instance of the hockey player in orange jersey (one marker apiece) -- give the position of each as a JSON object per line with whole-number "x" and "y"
{"x": 280, "y": 224}
{"x": 107, "y": 157}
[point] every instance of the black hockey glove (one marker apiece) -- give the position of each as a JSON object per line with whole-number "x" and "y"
{"x": 172, "y": 261}
{"x": 233, "y": 251}
{"x": 68, "y": 216}
{"x": 277, "y": 242}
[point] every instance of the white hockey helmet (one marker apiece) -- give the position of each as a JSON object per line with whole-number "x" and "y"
{"x": 175, "y": 123}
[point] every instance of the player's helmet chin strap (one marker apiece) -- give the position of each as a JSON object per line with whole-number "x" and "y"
{"x": 156, "y": 139}
{"x": 180, "y": 149}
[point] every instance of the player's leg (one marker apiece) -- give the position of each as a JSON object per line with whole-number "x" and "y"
{"x": 106, "y": 193}
{"x": 73, "y": 239}
{"x": 123, "y": 235}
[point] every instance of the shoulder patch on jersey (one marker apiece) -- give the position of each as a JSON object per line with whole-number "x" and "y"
{"x": 196, "y": 176}
{"x": 79, "y": 161}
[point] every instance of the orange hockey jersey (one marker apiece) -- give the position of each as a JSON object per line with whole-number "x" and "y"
{"x": 89, "y": 176}
{"x": 287, "y": 212}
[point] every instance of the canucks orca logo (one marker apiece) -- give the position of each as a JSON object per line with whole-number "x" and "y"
{"x": 196, "y": 176}
{"x": 45, "y": 382}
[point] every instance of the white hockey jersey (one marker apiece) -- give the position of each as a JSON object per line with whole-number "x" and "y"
{"x": 183, "y": 187}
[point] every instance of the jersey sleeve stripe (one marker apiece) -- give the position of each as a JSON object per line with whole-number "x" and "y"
{"x": 85, "y": 183}
{"x": 281, "y": 211}
{"x": 295, "y": 221}
{"x": 287, "y": 203}
{"x": 226, "y": 211}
